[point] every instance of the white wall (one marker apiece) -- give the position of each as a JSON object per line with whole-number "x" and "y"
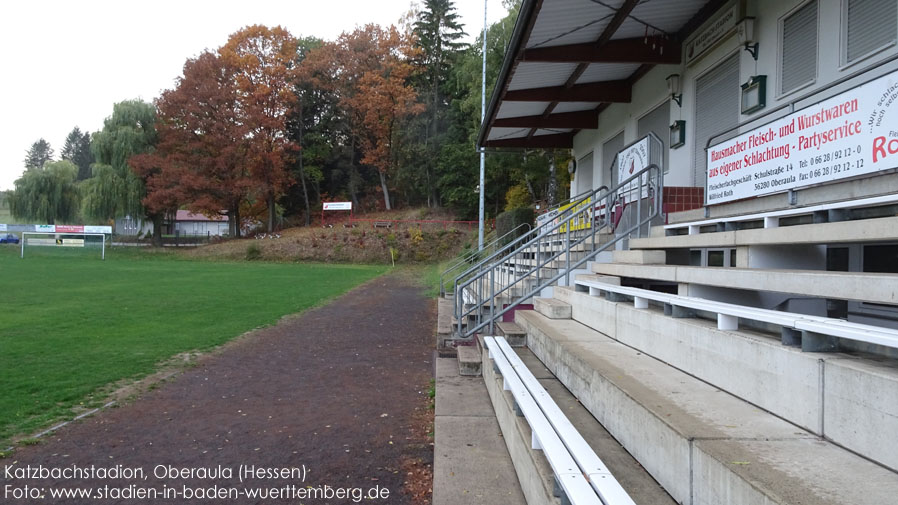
{"x": 651, "y": 90}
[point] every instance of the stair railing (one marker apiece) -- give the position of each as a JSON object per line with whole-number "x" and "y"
{"x": 619, "y": 210}
{"x": 461, "y": 296}
{"x": 470, "y": 257}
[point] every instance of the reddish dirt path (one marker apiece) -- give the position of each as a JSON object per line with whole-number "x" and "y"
{"x": 341, "y": 389}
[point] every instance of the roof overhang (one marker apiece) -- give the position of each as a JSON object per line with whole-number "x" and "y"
{"x": 569, "y": 59}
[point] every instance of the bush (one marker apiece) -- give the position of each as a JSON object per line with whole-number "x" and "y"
{"x": 510, "y": 219}
{"x": 253, "y": 252}
{"x": 517, "y": 197}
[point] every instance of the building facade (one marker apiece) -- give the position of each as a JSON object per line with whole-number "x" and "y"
{"x": 757, "y": 106}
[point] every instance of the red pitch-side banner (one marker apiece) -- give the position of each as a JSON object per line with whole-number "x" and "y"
{"x": 65, "y": 228}
{"x": 853, "y": 133}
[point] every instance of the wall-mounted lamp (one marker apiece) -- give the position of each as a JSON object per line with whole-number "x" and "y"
{"x": 754, "y": 94}
{"x": 673, "y": 86}
{"x": 746, "y": 31}
{"x": 678, "y": 134}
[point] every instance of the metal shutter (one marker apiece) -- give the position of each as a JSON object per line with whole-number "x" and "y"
{"x": 716, "y": 110}
{"x": 657, "y": 121}
{"x": 871, "y": 24}
{"x": 799, "y": 56}
{"x": 609, "y": 151}
{"x": 584, "y": 174}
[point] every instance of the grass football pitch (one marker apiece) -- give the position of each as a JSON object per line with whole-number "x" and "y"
{"x": 70, "y": 325}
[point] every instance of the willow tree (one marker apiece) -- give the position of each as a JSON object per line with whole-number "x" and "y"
{"x": 115, "y": 190}
{"x": 46, "y": 194}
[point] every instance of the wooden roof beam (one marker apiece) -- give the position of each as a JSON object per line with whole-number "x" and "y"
{"x": 634, "y": 50}
{"x": 604, "y": 91}
{"x": 587, "y": 119}
{"x": 552, "y": 141}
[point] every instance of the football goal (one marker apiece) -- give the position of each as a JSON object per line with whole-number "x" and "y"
{"x": 64, "y": 244}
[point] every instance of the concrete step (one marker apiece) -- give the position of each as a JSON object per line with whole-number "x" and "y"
{"x": 851, "y": 399}
{"x": 560, "y": 262}
{"x": 531, "y": 465}
{"x": 468, "y": 361}
{"x": 610, "y": 279}
{"x": 515, "y": 335}
{"x": 445, "y": 310}
{"x": 866, "y": 287}
{"x": 552, "y": 308}
{"x": 471, "y": 463}
{"x": 640, "y": 257}
{"x": 864, "y": 230}
{"x": 705, "y": 446}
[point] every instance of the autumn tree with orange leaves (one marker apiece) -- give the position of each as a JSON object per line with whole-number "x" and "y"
{"x": 370, "y": 70}
{"x": 262, "y": 60}
{"x": 200, "y": 161}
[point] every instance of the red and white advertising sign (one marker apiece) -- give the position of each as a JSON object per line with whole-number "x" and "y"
{"x": 632, "y": 159}
{"x": 65, "y": 228}
{"x": 337, "y": 206}
{"x": 853, "y": 133}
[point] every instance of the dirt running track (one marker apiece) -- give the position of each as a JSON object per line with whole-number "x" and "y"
{"x": 338, "y": 389}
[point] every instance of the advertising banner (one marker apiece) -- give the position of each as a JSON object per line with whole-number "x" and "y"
{"x": 65, "y": 228}
{"x": 853, "y": 133}
{"x": 97, "y": 229}
{"x": 2, "y": 227}
{"x": 45, "y": 228}
{"x": 632, "y": 159}
{"x": 337, "y": 205}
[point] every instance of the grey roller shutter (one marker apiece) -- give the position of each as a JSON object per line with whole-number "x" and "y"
{"x": 609, "y": 151}
{"x": 584, "y": 174}
{"x": 871, "y": 24}
{"x": 799, "y": 50}
{"x": 658, "y": 122}
{"x": 716, "y": 109}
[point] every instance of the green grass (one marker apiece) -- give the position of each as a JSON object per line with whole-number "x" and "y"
{"x": 71, "y": 325}
{"x": 431, "y": 278}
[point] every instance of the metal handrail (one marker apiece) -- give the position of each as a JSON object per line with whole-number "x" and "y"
{"x": 569, "y": 200}
{"x": 467, "y": 258}
{"x": 479, "y": 266}
{"x": 648, "y": 186}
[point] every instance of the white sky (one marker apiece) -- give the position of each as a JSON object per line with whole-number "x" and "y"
{"x": 66, "y": 63}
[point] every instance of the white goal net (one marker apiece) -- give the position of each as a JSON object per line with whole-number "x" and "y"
{"x": 64, "y": 244}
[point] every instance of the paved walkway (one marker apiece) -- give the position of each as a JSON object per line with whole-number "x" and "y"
{"x": 340, "y": 391}
{"x": 471, "y": 461}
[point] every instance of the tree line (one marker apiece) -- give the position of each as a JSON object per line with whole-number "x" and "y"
{"x": 268, "y": 126}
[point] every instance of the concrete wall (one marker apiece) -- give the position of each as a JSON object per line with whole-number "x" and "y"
{"x": 851, "y": 401}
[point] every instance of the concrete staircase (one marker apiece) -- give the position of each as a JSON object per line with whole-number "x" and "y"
{"x": 703, "y": 445}
{"x": 716, "y": 416}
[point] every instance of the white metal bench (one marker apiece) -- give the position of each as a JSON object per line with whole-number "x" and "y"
{"x": 579, "y": 472}
{"x": 728, "y": 315}
{"x": 771, "y": 219}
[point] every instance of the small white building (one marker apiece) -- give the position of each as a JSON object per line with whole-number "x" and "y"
{"x": 188, "y": 223}
{"x": 132, "y": 226}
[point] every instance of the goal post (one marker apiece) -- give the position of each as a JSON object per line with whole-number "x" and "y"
{"x": 41, "y": 239}
{"x": 66, "y": 237}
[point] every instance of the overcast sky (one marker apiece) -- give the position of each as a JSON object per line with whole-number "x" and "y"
{"x": 66, "y": 63}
